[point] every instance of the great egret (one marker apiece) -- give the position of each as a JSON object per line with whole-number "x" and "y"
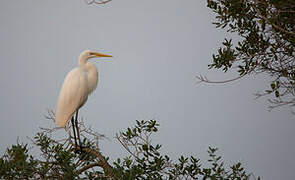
{"x": 78, "y": 84}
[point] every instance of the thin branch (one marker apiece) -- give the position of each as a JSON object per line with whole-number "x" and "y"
{"x": 88, "y": 167}
{"x": 95, "y": 2}
{"x": 274, "y": 25}
{"x": 50, "y": 115}
{"x": 206, "y": 80}
{"x": 126, "y": 147}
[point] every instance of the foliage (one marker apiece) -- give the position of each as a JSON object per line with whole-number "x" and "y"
{"x": 62, "y": 160}
{"x": 147, "y": 162}
{"x": 267, "y": 42}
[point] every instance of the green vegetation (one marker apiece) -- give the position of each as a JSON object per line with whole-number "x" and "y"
{"x": 60, "y": 159}
{"x": 267, "y": 42}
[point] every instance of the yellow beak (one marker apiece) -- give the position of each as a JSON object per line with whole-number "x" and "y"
{"x": 100, "y": 55}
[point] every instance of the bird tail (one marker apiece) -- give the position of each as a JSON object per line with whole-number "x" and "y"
{"x": 61, "y": 121}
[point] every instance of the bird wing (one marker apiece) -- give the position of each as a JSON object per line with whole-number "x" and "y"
{"x": 72, "y": 96}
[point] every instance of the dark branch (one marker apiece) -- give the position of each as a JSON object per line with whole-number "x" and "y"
{"x": 95, "y": 2}
{"x": 107, "y": 168}
{"x": 88, "y": 167}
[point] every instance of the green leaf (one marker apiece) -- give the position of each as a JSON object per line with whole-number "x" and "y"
{"x": 277, "y": 93}
{"x": 272, "y": 85}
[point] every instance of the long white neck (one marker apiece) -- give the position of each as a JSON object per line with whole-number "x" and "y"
{"x": 82, "y": 60}
{"x": 92, "y": 76}
{"x": 91, "y": 72}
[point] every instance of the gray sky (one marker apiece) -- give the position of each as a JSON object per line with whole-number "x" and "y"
{"x": 158, "y": 47}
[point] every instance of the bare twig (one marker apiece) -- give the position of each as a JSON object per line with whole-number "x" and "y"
{"x": 206, "y": 80}
{"x": 123, "y": 142}
{"x": 97, "y": 2}
{"x": 50, "y": 115}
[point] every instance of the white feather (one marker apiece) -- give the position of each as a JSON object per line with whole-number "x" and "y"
{"x": 73, "y": 95}
{"x": 78, "y": 84}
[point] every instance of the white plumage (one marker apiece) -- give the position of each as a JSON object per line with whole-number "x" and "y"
{"x": 78, "y": 84}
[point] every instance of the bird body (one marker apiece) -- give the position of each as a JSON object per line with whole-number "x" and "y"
{"x": 73, "y": 95}
{"x": 78, "y": 84}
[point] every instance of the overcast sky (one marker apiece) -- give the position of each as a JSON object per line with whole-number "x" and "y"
{"x": 158, "y": 47}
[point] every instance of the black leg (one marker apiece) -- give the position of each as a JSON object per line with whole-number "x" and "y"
{"x": 73, "y": 125}
{"x": 77, "y": 128}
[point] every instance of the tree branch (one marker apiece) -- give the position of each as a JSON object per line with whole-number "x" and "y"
{"x": 206, "y": 80}
{"x": 107, "y": 168}
{"x": 88, "y": 167}
{"x": 95, "y": 2}
{"x": 274, "y": 25}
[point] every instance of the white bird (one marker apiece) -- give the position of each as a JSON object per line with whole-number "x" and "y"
{"x": 78, "y": 84}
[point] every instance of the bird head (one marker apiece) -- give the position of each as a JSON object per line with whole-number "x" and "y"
{"x": 87, "y": 54}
